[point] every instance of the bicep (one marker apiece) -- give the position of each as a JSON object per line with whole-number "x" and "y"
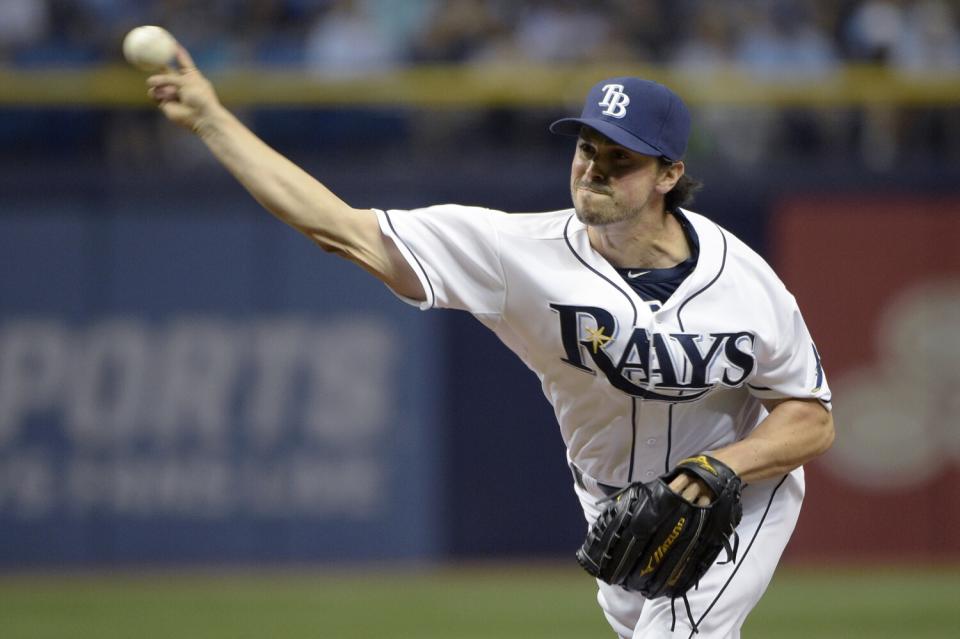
{"x": 795, "y": 432}
{"x": 798, "y": 419}
{"x": 358, "y": 238}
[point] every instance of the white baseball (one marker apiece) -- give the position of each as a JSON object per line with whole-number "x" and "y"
{"x": 149, "y": 48}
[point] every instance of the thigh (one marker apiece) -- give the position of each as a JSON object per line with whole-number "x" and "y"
{"x": 729, "y": 591}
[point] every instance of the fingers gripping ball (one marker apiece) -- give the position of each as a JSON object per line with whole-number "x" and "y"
{"x": 149, "y": 48}
{"x": 650, "y": 540}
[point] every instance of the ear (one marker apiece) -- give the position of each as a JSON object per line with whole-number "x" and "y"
{"x": 668, "y": 177}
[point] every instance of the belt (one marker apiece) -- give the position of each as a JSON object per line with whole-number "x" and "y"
{"x": 606, "y": 489}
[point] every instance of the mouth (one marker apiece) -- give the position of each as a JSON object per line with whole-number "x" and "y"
{"x": 583, "y": 187}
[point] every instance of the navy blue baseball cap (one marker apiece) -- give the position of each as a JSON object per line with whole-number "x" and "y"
{"x": 641, "y": 115}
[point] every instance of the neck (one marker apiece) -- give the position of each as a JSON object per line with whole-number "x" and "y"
{"x": 650, "y": 240}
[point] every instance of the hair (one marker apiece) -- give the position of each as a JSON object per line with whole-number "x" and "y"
{"x": 683, "y": 191}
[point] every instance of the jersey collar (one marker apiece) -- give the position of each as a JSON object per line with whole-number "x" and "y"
{"x": 710, "y": 264}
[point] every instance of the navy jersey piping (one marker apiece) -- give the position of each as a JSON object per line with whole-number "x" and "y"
{"x": 633, "y": 439}
{"x": 766, "y": 511}
{"x": 433, "y": 295}
{"x": 816, "y": 356}
{"x": 566, "y": 238}
{"x": 723, "y": 265}
{"x": 666, "y": 460}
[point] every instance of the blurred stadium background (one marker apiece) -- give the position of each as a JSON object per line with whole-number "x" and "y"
{"x": 210, "y": 428}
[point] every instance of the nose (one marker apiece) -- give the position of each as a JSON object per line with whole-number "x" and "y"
{"x": 595, "y": 172}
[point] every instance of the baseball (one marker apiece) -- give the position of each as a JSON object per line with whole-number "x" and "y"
{"x": 149, "y": 48}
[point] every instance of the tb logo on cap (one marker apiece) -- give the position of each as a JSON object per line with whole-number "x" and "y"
{"x": 615, "y": 100}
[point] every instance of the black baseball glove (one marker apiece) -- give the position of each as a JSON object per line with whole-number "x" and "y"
{"x": 651, "y": 540}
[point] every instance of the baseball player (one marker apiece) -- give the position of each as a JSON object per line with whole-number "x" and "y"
{"x": 657, "y": 335}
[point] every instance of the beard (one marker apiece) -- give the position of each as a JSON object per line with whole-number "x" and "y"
{"x": 596, "y": 205}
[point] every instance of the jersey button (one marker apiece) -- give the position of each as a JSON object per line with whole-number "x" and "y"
{"x": 649, "y": 473}
{"x": 652, "y": 441}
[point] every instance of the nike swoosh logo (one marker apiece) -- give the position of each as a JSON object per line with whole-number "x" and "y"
{"x": 632, "y": 274}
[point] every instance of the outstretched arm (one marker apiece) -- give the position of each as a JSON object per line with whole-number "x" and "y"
{"x": 187, "y": 98}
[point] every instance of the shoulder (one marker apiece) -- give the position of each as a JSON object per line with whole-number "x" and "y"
{"x": 546, "y": 225}
{"x": 448, "y": 210}
{"x": 737, "y": 273}
{"x": 549, "y": 225}
{"x": 734, "y": 252}
{"x": 442, "y": 219}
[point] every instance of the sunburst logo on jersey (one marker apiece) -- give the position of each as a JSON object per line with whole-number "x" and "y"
{"x": 597, "y": 338}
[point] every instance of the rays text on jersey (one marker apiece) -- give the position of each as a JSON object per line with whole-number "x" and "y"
{"x": 675, "y": 367}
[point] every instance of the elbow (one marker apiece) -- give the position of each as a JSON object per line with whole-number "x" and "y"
{"x": 826, "y": 433}
{"x": 813, "y": 427}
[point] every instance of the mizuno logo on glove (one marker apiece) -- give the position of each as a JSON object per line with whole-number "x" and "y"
{"x": 661, "y": 551}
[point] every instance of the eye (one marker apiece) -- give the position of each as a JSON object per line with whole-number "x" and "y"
{"x": 586, "y": 148}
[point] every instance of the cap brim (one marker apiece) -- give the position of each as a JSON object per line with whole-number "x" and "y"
{"x": 571, "y": 126}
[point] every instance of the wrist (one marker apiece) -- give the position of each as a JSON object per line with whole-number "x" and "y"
{"x": 212, "y": 122}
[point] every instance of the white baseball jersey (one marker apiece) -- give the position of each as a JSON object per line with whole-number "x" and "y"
{"x": 634, "y": 389}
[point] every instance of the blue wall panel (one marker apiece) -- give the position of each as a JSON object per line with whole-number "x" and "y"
{"x": 185, "y": 383}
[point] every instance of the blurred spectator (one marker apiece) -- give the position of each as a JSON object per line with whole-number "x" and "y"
{"x": 103, "y": 23}
{"x": 401, "y": 22}
{"x": 22, "y": 22}
{"x": 870, "y": 35}
{"x": 461, "y": 30}
{"x": 928, "y": 45}
{"x": 784, "y": 41}
{"x": 273, "y": 31}
{"x": 710, "y": 43}
{"x": 872, "y": 30}
{"x": 71, "y": 38}
{"x": 650, "y": 29}
{"x": 347, "y": 40}
{"x": 562, "y": 31}
{"x": 909, "y": 36}
{"x": 199, "y": 25}
{"x": 928, "y": 41}
{"x": 734, "y": 133}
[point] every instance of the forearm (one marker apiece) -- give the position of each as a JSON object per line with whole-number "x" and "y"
{"x": 795, "y": 432}
{"x": 279, "y": 185}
